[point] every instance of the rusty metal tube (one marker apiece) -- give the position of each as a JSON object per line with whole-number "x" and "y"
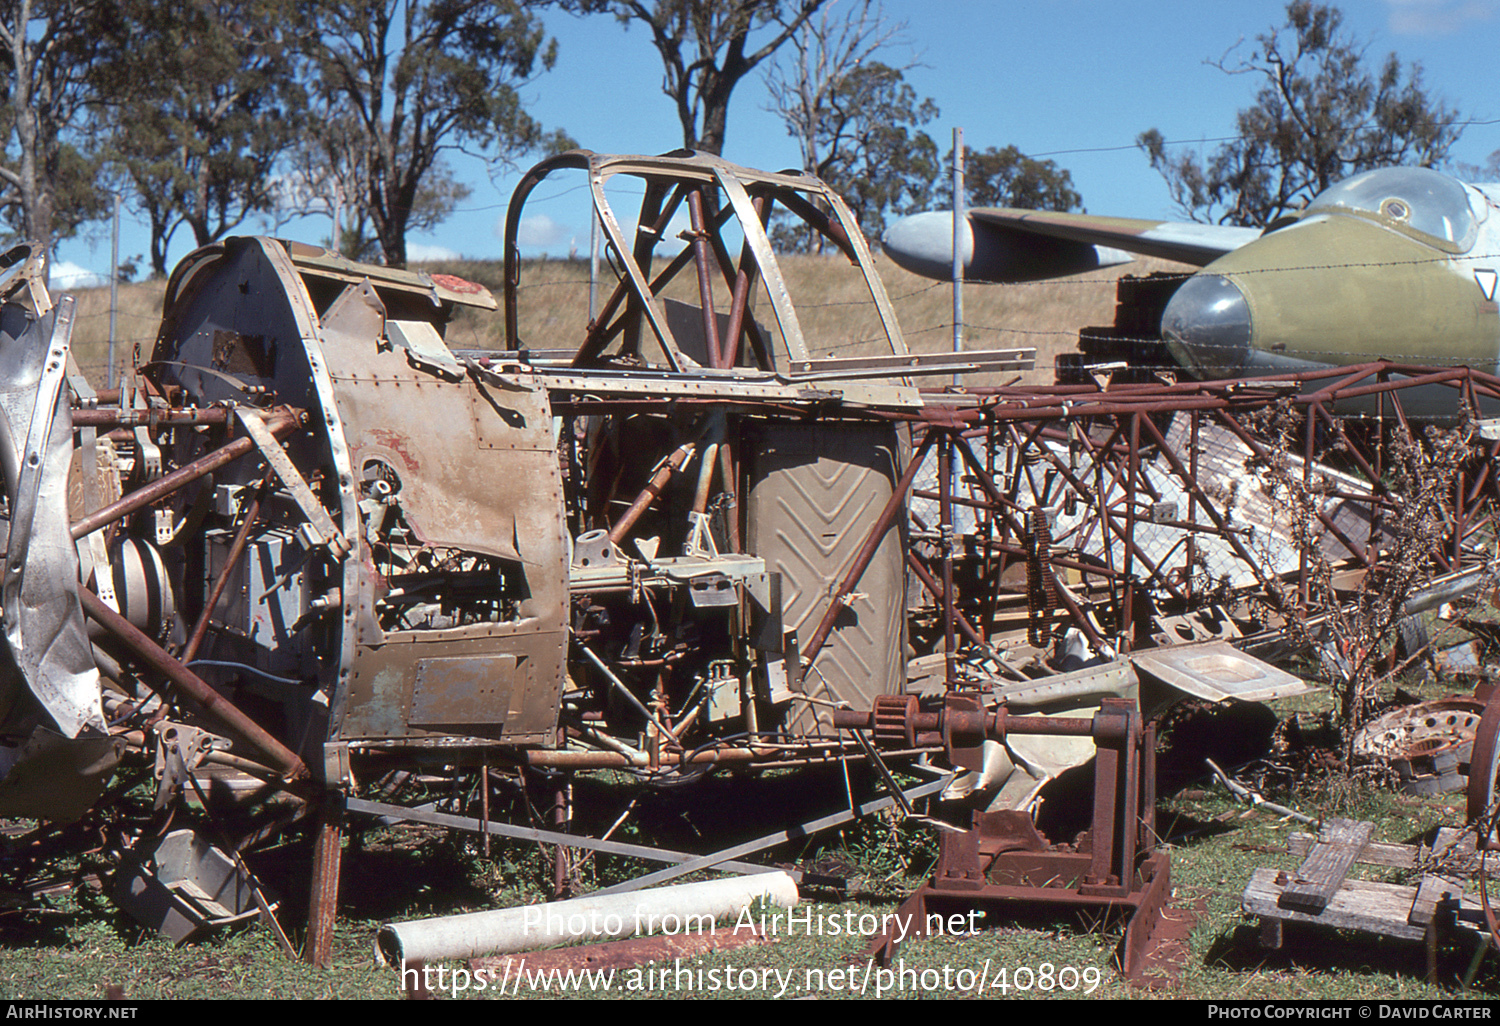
{"x": 567, "y": 759}
{"x": 323, "y": 896}
{"x": 1081, "y": 619}
{"x": 744, "y": 280}
{"x": 217, "y": 706}
{"x": 625, "y": 692}
{"x": 162, "y": 487}
{"x": 995, "y": 725}
{"x": 701, "y": 259}
{"x": 236, "y": 549}
{"x": 705, "y": 476}
{"x": 764, "y": 757}
{"x": 670, "y": 466}
{"x": 109, "y": 417}
{"x": 729, "y": 479}
{"x": 866, "y": 552}
{"x": 937, "y": 592}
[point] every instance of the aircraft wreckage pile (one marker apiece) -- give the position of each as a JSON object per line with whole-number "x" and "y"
{"x": 309, "y": 542}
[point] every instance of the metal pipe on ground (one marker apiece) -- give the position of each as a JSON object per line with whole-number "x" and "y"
{"x": 527, "y": 927}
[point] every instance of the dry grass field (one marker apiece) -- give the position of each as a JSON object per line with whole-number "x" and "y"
{"x": 835, "y": 311}
{"x": 136, "y": 322}
{"x": 834, "y": 308}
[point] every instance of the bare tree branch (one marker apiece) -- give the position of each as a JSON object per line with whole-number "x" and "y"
{"x": 1320, "y": 116}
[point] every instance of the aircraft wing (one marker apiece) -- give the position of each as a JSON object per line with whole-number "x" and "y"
{"x": 1032, "y": 245}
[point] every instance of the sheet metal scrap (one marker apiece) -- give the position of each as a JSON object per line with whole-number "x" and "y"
{"x": 186, "y": 887}
{"x": 49, "y": 686}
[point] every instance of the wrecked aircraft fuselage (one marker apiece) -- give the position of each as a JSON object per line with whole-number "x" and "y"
{"x": 341, "y": 539}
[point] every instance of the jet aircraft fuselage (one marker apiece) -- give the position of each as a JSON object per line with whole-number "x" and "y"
{"x": 1398, "y": 263}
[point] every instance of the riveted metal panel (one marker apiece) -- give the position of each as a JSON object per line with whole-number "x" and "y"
{"x": 474, "y": 468}
{"x": 453, "y": 690}
{"x": 495, "y": 681}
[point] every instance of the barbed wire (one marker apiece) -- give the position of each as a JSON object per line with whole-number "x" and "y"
{"x": 947, "y": 326}
{"x": 1158, "y": 276}
{"x": 1445, "y": 259}
{"x": 1464, "y": 123}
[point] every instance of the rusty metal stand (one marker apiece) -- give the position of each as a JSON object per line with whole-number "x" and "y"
{"x": 562, "y": 820}
{"x": 1002, "y": 859}
{"x": 322, "y": 907}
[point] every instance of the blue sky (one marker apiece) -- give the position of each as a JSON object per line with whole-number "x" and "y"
{"x": 1072, "y": 80}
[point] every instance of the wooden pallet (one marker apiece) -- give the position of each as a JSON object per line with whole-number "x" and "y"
{"x": 1319, "y": 893}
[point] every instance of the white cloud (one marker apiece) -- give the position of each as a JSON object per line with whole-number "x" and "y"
{"x": 537, "y": 231}
{"x": 425, "y": 253}
{"x": 67, "y": 275}
{"x": 1438, "y": 17}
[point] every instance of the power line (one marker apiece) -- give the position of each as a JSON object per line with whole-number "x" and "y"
{"x": 1466, "y": 123}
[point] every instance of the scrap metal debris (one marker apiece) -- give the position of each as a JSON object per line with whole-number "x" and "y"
{"x": 315, "y": 541}
{"x": 1428, "y": 744}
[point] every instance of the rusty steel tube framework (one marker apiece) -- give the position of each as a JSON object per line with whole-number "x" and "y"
{"x": 193, "y": 686}
{"x": 1059, "y": 439}
{"x": 280, "y": 425}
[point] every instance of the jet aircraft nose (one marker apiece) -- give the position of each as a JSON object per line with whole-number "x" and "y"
{"x": 1206, "y": 326}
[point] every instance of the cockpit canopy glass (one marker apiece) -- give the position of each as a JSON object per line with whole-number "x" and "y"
{"x": 1419, "y": 198}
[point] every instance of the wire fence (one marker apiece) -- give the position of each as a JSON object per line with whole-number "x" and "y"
{"x": 918, "y": 325}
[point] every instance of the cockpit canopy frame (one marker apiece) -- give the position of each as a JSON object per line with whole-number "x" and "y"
{"x": 1417, "y": 201}
{"x": 720, "y": 197}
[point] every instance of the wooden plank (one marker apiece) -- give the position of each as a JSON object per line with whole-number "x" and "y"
{"x": 1454, "y": 851}
{"x": 1453, "y": 848}
{"x": 1432, "y": 890}
{"x": 1376, "y": 853}
{"x": 1359, "y": 905}
{"x": 1455, "y": 840}
{"x": 196, "y": 895}
{"x": 1322, "y": 872}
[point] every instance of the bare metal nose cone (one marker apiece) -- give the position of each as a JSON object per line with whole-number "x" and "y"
{"x": 1206, "y": 325}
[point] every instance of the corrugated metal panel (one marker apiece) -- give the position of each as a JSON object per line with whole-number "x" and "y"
{"x": 815, "y": 492}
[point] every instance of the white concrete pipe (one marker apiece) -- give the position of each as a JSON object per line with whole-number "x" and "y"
{"x": 682, "y": 908}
